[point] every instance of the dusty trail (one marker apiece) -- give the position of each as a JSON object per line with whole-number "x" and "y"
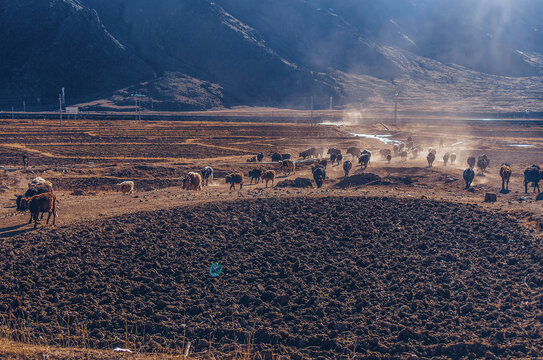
{"x": 425, "y": 183}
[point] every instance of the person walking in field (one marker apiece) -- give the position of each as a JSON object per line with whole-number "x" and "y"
{"x": 25, "y": 161}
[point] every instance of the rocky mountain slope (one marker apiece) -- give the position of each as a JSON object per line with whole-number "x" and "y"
{"x": 199, "y": 54}
{"x": 486, "y": 35}
{"x": 49, "y": 44}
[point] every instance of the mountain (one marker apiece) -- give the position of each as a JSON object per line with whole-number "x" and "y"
{"x": 484, "y": 35}
{"x": 201, "y": 39}
{"x": 306, "y": 34}
{"x": 50, "y": 44}
{"x": 201, "y": 54}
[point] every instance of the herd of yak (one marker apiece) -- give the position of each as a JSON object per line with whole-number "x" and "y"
{"x": 315, "y": 156}
{"x": 39, "y": 198}
{"x": 532, "y": 175}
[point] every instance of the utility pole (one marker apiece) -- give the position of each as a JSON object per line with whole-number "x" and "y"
{"x": 312, "y": 110}
{"x": 330, "y": 103}
{"x": 60, "y": 108}
{"x": 396, "y": 107}
{"x": 137, "y": 97}
{"x": 24, "y": 106}
{"x": 12, "y": 113}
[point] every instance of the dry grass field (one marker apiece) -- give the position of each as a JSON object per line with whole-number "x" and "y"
{"x": 398, "y": 261}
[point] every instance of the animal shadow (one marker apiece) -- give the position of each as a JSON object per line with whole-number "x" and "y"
{"x": 13, "y": 230}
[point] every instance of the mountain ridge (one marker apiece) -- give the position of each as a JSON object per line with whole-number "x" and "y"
{"x": 200, "y": 54}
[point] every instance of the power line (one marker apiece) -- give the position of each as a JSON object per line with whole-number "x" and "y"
{"x": 60, "y": 107}
{"x": 137, "y": 97}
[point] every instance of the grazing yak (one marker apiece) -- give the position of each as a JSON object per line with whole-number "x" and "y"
{"x": 36, "y": 181}
{"x": 532, "y": 175}
{"x": 384, "y": 153}
{"x": 322, "y": 163}
{"x": 259, "y": 157}
{"x": 207, "y": 173}
{"x": 267, "y": 176}
{"x": 453, "y": 158}
{"x": 255, "y": 175}
{"x": 233, "y": 179}
{"x": 336, "y": 158}
{"x": 126, "y": 187}
{"x": 275, "y": 157}
{"x": 389, "y": 157}
{"x": 347, "y": 166}
{"x": 34, "y": 188}
{"x": 403, "y": 155}
{"x": 446, "y": 158}
{"x": 312, "y": 152}
{"x": 354, "y": 152}
{"x": 252, "y": 159}
{"x": 471, "y": 161}
{"x": 505, "y": 174}
{"x": 193, "y": 181}
{"x": 366, "y": 152}
{"x": 319, "y": 175}
{"x": 396, "y": 149}
{"x": 468, "y": 176}
{"x": 364, "y": 160}
{"x": 482, "y": 163}
{"x": 431, "y": 157}
{"x": 305, "y": 154}
{"x": 333, "y": 151}
{"x": 41, "y": 203}
{"x": 288, "y": 167}
{"x": 285, "y": 157}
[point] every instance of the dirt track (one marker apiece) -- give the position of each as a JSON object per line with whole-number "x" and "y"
{"x": 311, "y": 276}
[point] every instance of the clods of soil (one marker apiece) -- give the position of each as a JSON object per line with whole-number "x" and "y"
{"x": 316, "y": 277}
{"x": 297, "y": 183}
{"x": 360, "y": 179}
